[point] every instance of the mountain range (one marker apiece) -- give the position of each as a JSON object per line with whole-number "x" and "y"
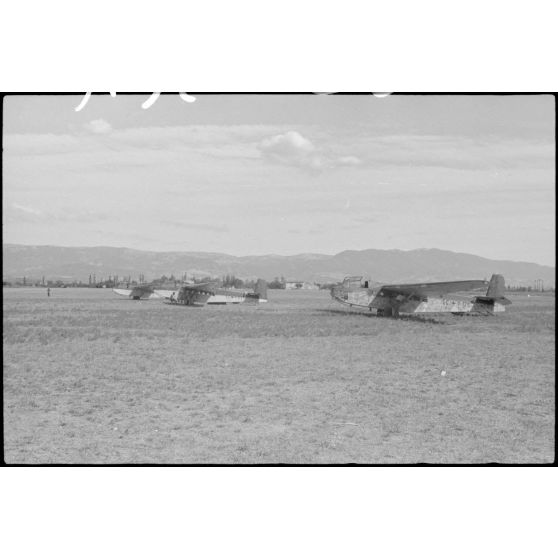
{"x": 57, "y": 262}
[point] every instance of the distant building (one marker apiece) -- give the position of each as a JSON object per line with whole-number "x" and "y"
{"x": 305, "y": 285}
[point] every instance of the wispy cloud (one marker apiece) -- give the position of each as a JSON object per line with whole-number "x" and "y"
{"x": 305, "y": 149}
{"x": 231, "y": 141}
{"x": 99, "y": 126}
{"x": 349, "y": 161}
{"x": 25, "y": 213}
{"x": 457, "y": 152}
{"x": 314, "y": 231}
{"x": 22, "y": 209}
{"x": 197, "y": 226}
{"x": 292, "y": 148}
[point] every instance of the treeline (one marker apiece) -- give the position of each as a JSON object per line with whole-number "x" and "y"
{"x": 127, "y": 281}
{"x": 165, "y": 281}
{"x": 281, "y": 283}
{"x": 228, "y": 280}
{"x": 52, "y": 283}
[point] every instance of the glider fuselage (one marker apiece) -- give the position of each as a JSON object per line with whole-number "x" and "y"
{"x": 419, "y": 298}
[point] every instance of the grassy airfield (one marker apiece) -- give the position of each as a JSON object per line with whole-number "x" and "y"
{"x": 93, "y": 378}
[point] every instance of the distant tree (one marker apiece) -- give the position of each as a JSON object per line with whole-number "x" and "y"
{"x": 277, "y": 283}
{"x": 230, "y": 280}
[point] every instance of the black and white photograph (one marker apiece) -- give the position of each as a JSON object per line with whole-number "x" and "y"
{"x": 278, "y": 278}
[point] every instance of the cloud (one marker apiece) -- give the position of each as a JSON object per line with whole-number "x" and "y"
{"x": 158, "y": 144}
{"x": 349, "y": 160}
{"x": 40, "y": 144}
{"x": 457, "y": 152}
{"x": 148, "y": 146}
{"x": 22, "y": 213}
{"x": 314, "y": 231}
{"x": 22, "y": 209}
{"x": 292, "y": 148}
{"x": 143, "y": 146}
{"x": 98, "y": 126}
{"x": 289, "y": 144}
{"x": 196, "y": 226}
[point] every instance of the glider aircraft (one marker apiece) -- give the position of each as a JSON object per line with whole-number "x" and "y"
{"x": 197, "y": 294}
{"x": 138, "y": 292}
{"x": 211, "y": 293}
{"x": 420, "y": 298}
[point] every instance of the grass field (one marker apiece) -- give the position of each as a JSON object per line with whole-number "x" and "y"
{"x": 93, "y": 378}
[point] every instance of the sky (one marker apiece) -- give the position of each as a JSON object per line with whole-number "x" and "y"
{"x": 283, "y": 174}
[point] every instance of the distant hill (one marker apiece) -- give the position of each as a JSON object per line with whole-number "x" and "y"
{"x": 380, "y": 265}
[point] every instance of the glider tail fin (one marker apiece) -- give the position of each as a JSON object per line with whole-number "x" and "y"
{"x": 495, "y": 294}
{"x": 496, "y": 287}
{"x": 261, "y": 289}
